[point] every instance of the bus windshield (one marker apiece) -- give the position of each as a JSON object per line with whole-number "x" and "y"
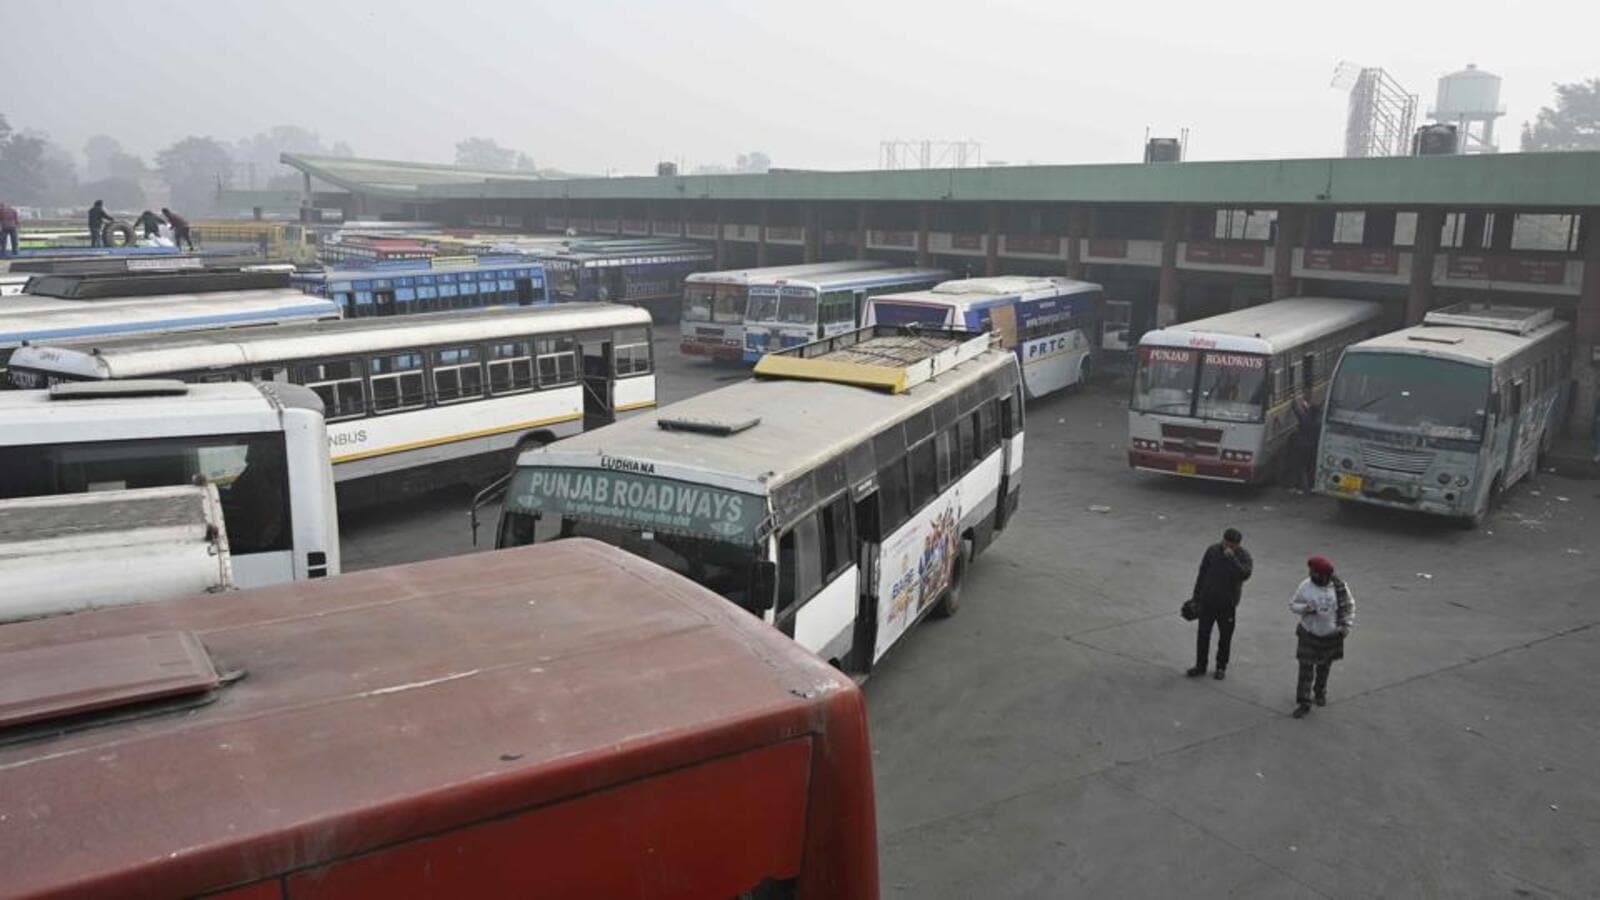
{"x": 763, "y": 307}
{"x": 908, "y": 314}
{"x": 697, "y": 302}
{"x": 1437, "y": 397}
{"x": 729, "y": 305}
{"x": 798, "y": 308}
{"x": 1177, "y": 381}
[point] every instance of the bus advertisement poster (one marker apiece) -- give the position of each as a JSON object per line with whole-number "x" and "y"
{"x": 917, "y": 566}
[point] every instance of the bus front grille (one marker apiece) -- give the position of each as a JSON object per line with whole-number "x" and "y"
{"x": 1410, "y": 462}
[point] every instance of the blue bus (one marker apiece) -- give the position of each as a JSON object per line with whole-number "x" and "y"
{"x": 645, "y": 272}
{"x": 1052, "y": 324}
{"x": 785, "y": 312}
{"x": 419, "y": 286}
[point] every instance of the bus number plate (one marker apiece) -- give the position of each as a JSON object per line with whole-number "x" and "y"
{"x": 1186, "y": 468}
{"x": 1349, "y": 483}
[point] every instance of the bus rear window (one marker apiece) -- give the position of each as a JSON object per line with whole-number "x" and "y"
{"x": 908, "y": 314}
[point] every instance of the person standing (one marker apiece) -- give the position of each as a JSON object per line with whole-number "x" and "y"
{"x": 151, "y": 223}
{"x": 98, "y": 219}
{"x": 180, "y": 228}
{"x": 1224, "y": 569}
{"x": 1302, "y": 455}
{"x": 8, "y": 229}
{"x": 1326, "y": 611}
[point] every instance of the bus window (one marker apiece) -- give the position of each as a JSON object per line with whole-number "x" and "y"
{"x": 1308, "y": 373}
{"x": 340, "y": 385}
{"x": 457, "y": 374}
{"x": 966, "y": 446}
{"x": 798, "y": 309}
{"x": 799, "y": 564}
{"x": 837, "y": 543}
{"x": 894, "y": 495}
{"x": 558, "y": 361}
{"x": 397, "y": 382}
{"x": 988, "y": 425}
{"x": 510, "y": 367}
{"x": 923, "y": 460}
{"x": 942, "y": 446}
{"x": 1233, "y": 387}
{"x": 632, "y": 352}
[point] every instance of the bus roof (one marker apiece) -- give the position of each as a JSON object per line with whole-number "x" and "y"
{"x": 1268, "y": 327}
{"x": 800, "y": 424}
{"x": 165, "y": 354}
{"x": 842, "y": 281}
{"x": 570, "y": 668}
{"x": 412, "y": 268}
{"x": 1476, "y": 346}
{"x": 37, "y": 417}
{"x": 744, "y": 276}
{"x": 166, "y": 314}
{"x": 967, "y": 293}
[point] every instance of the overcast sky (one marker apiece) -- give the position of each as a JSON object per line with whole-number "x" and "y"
{"x": 596, "y": 85}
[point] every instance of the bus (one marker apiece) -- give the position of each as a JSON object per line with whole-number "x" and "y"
{"x": 714, "y": 304}
{"x": 436, "y": 285}
{"x": 264, "y": 446}
{"x": 1211, "y": 398}
{"x": 425, "y": 398}
{"x": 1052, "y": 324}
{"x": 149, "y": 316}
{"x": 789, "y": 311}
{"x": 1443, "y": 417}
{"x": 840, "y": 495}
{"x": 562, "y": 721}
{"x": 644, "y": 272}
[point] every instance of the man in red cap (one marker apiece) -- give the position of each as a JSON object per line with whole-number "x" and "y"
{"x": 1326, "y": 612}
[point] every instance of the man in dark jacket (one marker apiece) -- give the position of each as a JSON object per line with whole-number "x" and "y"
{"x": 150, "y": 222}
{"x": 180, "y": 228}
{"x": 1223, "y": 571}
{"x": 98, "y": 217}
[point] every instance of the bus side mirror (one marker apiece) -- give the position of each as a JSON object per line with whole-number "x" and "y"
{"x": 764, "y": 585}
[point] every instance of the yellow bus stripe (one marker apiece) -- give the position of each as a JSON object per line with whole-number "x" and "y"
{"x": 451, "y": 438}
{"x": 640, "y": 405}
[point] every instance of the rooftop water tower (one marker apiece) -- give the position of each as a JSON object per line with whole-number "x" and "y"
{"x": 1470, "y": 100}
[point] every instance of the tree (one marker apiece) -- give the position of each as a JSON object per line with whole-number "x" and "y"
{"x": 484, "y": 153}
{"x": 754, "y": 161}
{"x": 124, "y": 194}
{"x": 263, "y": 152}
{"x": 97, "y": 154}
{"x": 194, "y": 169}
{"x": 1574, "y": 123}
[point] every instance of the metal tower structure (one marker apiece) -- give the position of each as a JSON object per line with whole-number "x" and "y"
{"x": 926, "y": 154}
{"x": 1382, "y": 112}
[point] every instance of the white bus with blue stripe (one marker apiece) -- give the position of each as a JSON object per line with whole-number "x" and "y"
{"x": 1052, "y": 324}
{"x": 438, "y": 285}
{"x": 789, "y": 311}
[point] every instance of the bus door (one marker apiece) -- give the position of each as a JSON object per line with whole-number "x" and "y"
{"x": 383, "y": 303}
{"x": 865, "y": 635}
{"x": 598, "y": 382}
{"x": 525, "y": 295}
{"x": 1516, "y": 400}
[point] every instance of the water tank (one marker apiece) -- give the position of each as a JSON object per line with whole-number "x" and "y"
{"x": 1434, "y": 140}
{"x": 1468, "y": 94}
{"x": 1163, "y": 150}
{"x": 666, "y": 169}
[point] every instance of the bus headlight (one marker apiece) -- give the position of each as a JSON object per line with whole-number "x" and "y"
{"x": 1237, "y": 455}
{"x": 1462, "y": 481}
{"x": 1347, "y": 463}
{"x": 1330, "y": 459}
{"x": 1444, "y": 477}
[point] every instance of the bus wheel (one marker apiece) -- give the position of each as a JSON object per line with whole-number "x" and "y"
{"x": 1490, "y": 504}
{"x": 950, "y": 603}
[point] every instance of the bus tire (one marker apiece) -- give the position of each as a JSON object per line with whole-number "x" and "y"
{"x": 1490, "y": 504}
{"x": 950, "y": 601}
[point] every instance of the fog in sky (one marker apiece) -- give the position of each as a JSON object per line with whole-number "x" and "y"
{"x": 596, "y": 85}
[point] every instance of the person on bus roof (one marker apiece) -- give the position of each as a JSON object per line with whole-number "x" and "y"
{"x": 98, "y": 219}
{"x": 8, "y": 229}
{"x": 180, "y": 228}
{"x": 1326, "y": 612}
{"x": 1224, "y": 569}
{"x": 150, "y": 222}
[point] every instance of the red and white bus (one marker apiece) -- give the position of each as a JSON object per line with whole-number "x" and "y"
{"x": 554, "y": 721}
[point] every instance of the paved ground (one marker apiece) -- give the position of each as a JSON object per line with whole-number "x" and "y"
{"x": 1045, "y": 743}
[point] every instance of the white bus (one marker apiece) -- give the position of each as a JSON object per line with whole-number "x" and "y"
{"x": 1211, "y": 398}
{"x": 840, "y": 494}
{"x": 714, "y": 304}
{"x": 436, "y": 396}
{"x": 1445, "y": 416}
{"x": 85, "y": 320}
{"x": 787, "y": 312}
{"x": 264, "y": 446}
{"x": 1052, "y": 324}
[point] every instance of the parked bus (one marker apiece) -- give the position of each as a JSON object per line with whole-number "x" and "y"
{"x": 1445, "y": 416}
{"x": 714, "y": 303}
{"x": 434, "y": 396}
{"x": 562, "y": 721}
{"x": 264, "y": 446}
{"x": 644, "y": 272}
{"x": 840, "y": 495}
{"x": 1052, "y": 324}
{"x": 1211, "y": 398}
{"x": 436, "y": 285}
{"x": 788, "y": 312}
{"x": 152, "y": 316}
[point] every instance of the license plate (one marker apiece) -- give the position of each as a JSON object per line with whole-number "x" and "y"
{"x": 1185, "y": 468}
{"x": 1349, "y": 483}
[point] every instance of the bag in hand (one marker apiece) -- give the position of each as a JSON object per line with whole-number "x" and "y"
{"x": 1190, "y": 610}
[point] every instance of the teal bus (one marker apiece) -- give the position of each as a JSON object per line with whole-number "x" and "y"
{"x": 1445, "y": 416}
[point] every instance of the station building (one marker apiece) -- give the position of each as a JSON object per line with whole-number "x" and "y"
{"x": 1175, "y": 240}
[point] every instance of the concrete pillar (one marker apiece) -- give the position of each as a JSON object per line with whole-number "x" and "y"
{"x": 1289, "y": 238}
{"x": 861, "y": 231}
{"x": 991, "y": 241}
{"x": 1423, "y": 251}
{"x": 1077, "y": 230}
{"x": 761, "y": 238}
{"x": 1585, "y": 366}
{"x": 924, "y": 219}
{"x": 722, "y": 248}
{"x": 1167, "y": 290}
{"x": 1500, "y": 235}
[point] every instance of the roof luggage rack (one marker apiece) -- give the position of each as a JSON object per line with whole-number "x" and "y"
{"x": 894, "y": 358}
{"x": 155, "y": 283}
{"x": 1493, "y": 317}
